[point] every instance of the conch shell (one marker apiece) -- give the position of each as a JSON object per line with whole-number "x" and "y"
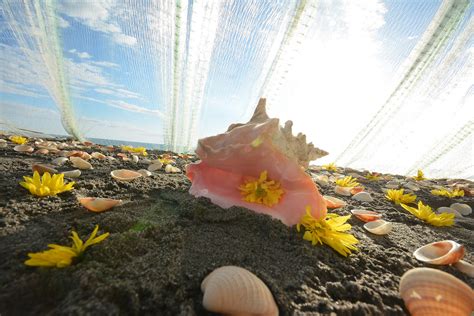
{"x": 247, "y": 150}
{"x": 431, "y": 292}
{"x": 232, "y": 290}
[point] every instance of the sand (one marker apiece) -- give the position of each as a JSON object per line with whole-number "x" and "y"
{"x": 163, "y": 242}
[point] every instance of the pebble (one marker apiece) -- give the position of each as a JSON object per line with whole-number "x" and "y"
{"x": 462, "y": 208}
{"x": 363, "y": 196}
{"x": 444, "y": 209}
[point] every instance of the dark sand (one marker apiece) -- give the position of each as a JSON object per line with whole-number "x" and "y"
{"x": 163, "y": 242}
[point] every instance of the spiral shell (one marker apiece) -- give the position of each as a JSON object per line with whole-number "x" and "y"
{"x": 232, "y": 290}
{"x": 440, "y": 252}
{"x": 379, "y": 227}
{"x": 431, "y": 292}
{"x": 125, "y": 175}
{"x": 98, "y": 204}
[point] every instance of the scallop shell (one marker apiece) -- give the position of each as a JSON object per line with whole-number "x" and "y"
{"x": 172, "y": 169}
{"x": 232, "y": 290}
{"x": 155, "y": 166}
{"x": 72, "y": 174}
{"x": 80, "y": 163}
{"x": 43, "y": 168}
{"x": 23, "y": 148}
{"x": 60, "y": 161}
{"x": 125, "y": 175}
{"x": 366, "y": 215}
{"x": 379, "y": 227}
{"x": 333, "y": 202}
{"x": 440, "y": 252}
{"x": 465, "y": 267}
{"x": 346, "y": 191}
{"x": 431, "y": 292}
{"x": 98, "y": 204}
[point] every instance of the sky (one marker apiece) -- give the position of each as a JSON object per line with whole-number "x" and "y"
{"x": 113, "y": 67}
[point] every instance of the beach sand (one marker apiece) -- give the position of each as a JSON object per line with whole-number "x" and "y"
{"x": 163, "y": 242}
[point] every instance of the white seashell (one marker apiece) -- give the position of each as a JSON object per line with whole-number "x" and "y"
{"x": 440, "y": 252}
{"x": 366, "y": 215}
{"x": 155, "y": 166}
{"x": 72, "y": 174}
{"x": 98, "y": 204}
{"x": 60, "y": 161}
{"x": 465, "y": 267}
{"x": 444, "y": 209}
{"x": 125, "y": 175}
{"x": 392, "y": 184}
{"x": 321, "y": 179}
{"x": 80, "y": 163}
{"x": 172, "y": 169}
{"x": 3, "y": 143}
{"x": 462, "y": 208}
{"x": 379, "y": 227}
{"x": 135, "y": 158}
{"x": 432, "y": 292}
{"x": 98, "y": 155}
{"x": 363, "y": 196}
{"x": 144, "y": 172}
{"x": 23, "y": 148}
{"x": 232, "y": 290}
{"x": 346, "y": 191}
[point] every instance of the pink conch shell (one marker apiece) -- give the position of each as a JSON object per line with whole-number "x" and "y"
{"x": 440, "y": 252}
{"x": 98, "y": 204}
{"x": 246, "y": 150}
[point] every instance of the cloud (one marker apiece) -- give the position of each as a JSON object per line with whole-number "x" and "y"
{"x": 82, "y": 55}
{"x": 63, "y": 23}
{"x": 134, "y": 108}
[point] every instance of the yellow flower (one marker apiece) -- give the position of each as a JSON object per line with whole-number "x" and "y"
{"x": 330, "y": 167}
{"x": 62, "y": 256}
{"x": 47, "y": 184}
{"x": 262, "y": 191}
{"x": 448, "y": 193}
{"x": 18, "y": 139}
{"x": 397, "y": 197}
{"x": 137, "y": 150}
{"x": 347, "y": 182}
{"x": 328, "y": 230}
{"x": 425, "y": 213}
{"x": 419, "y": 176}
{"x": 166, "y": 161}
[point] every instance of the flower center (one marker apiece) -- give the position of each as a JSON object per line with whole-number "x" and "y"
{"x": 261, "y": 191}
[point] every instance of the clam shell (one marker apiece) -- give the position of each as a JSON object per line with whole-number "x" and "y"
{"x": 440, "y": 252}
{"x": 42, "y": 151}
{"x": 366, "y": 215}
{"x": 125, "y": 175}
{"x": 172, "y": 169}
{"x": 431, "y": 292}
{"x": 155, "y": 166}
{"x": 60, "y": 161}
{"x": 379, "y": 227}
{"x": 43, "y": 168}
{"x": 23, "y": 148}
{"x": 465, "y": 267}
{"x": 98, "y": 204}
{"x": 80, "y": 163}
{"x": 333, "y": 202}
{"x": 98, "y": 155}
{"x": 72, "y": 174}
{"x": 363, "y": 196}
{"x": 462, "y": 208}
{"x": 232, "y": 290}
{"x": 346, "y": 191}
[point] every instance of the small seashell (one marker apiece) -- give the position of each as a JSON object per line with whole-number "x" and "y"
{"x": 135, "y": 158}
{"x": 23, "y": 148}
{"x": 64, "y": 153}
{"x": 363, "y": 196}
{"x": 87, "y": 143}
{"x": 462, "y": 208}
{"x": 392, "y": 184}
{"x": 346, "y": 191}
{"x": 155, "y": 166}
{"x": 333, "y": 202}
{"x": 60, "y": 161}
{"x": 72, "y": 174}
{"x": 171, "y": 169}
{"x": 144, "y": 172}
{"x": 444, "y": 209}
{"x": 42, "y": 151}
{"x": 440, "y": 252}
{"x": 3, "y": 143}
{"x": 125, "y": 175}
{"x": 356, "y": 190}
{"x": 43, "y": 168}
{"x": 98, "y": 155}
{"x": 80, "y": 163}
{"x": 432, "y": 292}
{"x": 379, "y": 227}
{"x": 366, "y": 215}
{"x": 232, "y": 290}
{"x": 465, "y": 267}
{"x": 98, "y": 204}
{"x": 321, "y": 179}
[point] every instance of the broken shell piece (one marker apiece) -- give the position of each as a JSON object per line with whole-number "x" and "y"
{"x": 98, "y": 204}
{"x": 346, "y": 191}
{"x": 440, "y": 252}
{"x": 366, "y": 215}
{"x": 333, "y": 202}
{"x": 42, "y": 151}
{"x": 125, "y": 175}
{"x": 363, "y": 196}
{"x": 462, "y": 208}
{"x": 171, "y": 169}
{"x": 98, "y": 155}
{"x": 80, "y": 163}
{"x": 232, "y": 290}
{"x": 23, "y": 149}
{"x": 135, "y": 158}
{"x": 444, "y": 209}
{"x": 427, "y": 291}
{"x": 60, "y": 161}
{"x": 465, "y": 267}
{"x": 379, "y": 227}
{"x": 155, "y": 166}
{"x": 72, "y": 174}
{"x": 144, "y": 172}
{"x": 43, "y": 168}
